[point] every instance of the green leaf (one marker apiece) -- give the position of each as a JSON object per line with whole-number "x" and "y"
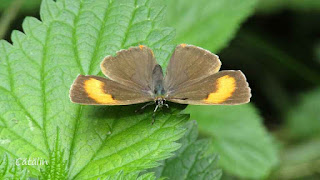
{"x": 244, "y": 146}
{"x": 299, "y": 161}
{"x": 303, "y": 120}
{"x": 192, "y": 160}
{"x": 206, "y": 23}
{"x": 28, "y": 5}
{"x": 57, "y": 168}
{"x": 8, "y": 171}
{"x": 37, "y": 70}
{"x": 132, "y": 176}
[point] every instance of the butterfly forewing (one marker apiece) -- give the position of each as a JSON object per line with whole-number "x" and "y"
{"x": 189, "y": 64}
{"x": 132, "y": 67}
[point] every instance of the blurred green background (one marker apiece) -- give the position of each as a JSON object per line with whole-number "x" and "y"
{"x": 277, "y": 46}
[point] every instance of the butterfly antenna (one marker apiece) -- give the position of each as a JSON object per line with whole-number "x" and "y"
{"x": 180, "y": 98}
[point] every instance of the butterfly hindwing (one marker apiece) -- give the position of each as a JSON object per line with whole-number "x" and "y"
{"x": 94, "y": 90}
{"x": 225, "y": 87}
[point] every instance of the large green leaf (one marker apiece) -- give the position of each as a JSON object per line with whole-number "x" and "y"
{"x": 192, "y": 160}
{"x": 37, "y": 70}
{"x": 303, "y": 120}
{"x": 239, "y": 138}
{"x": 206, "y": 23}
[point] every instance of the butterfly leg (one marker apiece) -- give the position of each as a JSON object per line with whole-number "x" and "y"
{"x": 154, "y": 114}
{"x": 144, "y": 106}
{"x": 155, "y": 109}
{"x": 153, "y": 118}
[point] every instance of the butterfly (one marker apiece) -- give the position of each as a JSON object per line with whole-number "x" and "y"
{"x": 134, "y": 76}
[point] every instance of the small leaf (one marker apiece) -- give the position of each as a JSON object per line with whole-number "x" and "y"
{"x": 303, "y": 120}
{"x": 191, "y": 161}
{"x": 300, "y": 160}
{"x": 239, "y": 138}
{"x": 206, "y": 23}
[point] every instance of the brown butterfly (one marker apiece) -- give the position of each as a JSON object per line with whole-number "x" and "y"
{"x": 192, "y": 77}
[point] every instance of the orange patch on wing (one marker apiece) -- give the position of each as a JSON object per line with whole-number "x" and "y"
{"x": 225, "y": 87}
{"x": 183, "y": 45}
{"x": 141, "y": 46}
{"x": 94, "y": 89}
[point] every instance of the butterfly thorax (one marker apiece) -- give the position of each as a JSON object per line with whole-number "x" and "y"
{"x": 158, "y": 88}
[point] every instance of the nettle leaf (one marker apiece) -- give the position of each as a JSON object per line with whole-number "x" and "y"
{"x": 9, "y": 171}
{"x": 57, "y": 168}
{"x": 37, "y": 70}
{"x": 239, "y": 137}
{"x": 303, "y": 121}
{"x": 134, "y": 176}
{"x": 206, "y": 23}
{"x": 192, "y": 160}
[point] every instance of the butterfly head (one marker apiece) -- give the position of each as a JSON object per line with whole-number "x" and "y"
{"x": 160, "y": 101}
